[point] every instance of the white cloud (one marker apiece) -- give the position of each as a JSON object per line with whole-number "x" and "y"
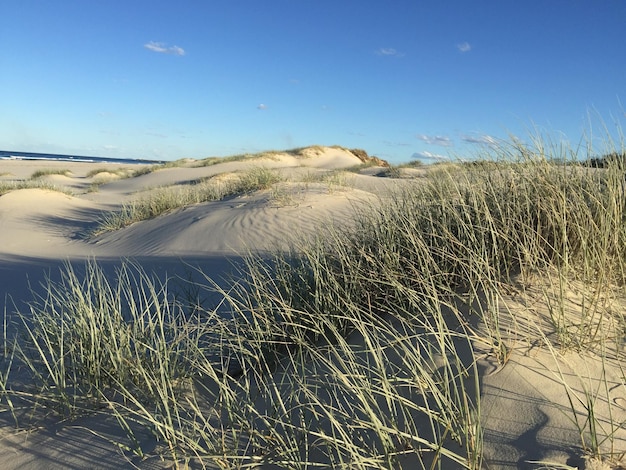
{"x": 389, "y": 52}
{"x": 163, "y": 48}
{"x": 464, "y": 47}
{"x": 441, "y": 140}
{"x": 261, "y": 106}
{"x": 481, "y": 140}
{"x": 177, "y": 50}
{"x": 428, "y": 156}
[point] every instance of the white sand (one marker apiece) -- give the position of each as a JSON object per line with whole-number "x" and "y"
{"x": 525, "y": 410}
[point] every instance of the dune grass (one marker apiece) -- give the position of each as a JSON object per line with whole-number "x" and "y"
{"x": 300, "y": 152}
{"x": 241, "y": 157}
{"x": 50, "y": 171}
{"x": 247, "y": 157}
{"x": 147, "y": 169}
{"x": 354, "y": 350}
{"x": 8, "y": 186}
{"x": 121, "y": 172}
{"x": 166, "y": 199}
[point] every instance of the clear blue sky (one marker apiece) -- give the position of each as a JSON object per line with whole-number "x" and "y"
{"x": 398, "y": 78}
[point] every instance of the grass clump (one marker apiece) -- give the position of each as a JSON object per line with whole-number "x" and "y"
{"x": 93, "y": 341}
{"x": 255, "y": 179}
{"x": 121, "y": 172}
{"x": 49, "y": 172}
{"x": 146, "y": 170}
{"x": 105, "y": 175}
{"x": 210, "y": 161}
{"x": 87, "y": 337}
{"x": 8, "y": 186}
{"x": 167, "y": 199}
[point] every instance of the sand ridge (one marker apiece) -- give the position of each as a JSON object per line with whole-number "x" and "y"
{"x": 524, "y": 408}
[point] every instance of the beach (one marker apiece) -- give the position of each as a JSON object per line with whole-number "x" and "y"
{"x": 541, "y": 404}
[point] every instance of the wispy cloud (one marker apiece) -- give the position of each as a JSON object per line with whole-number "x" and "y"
{"x": 464, "y": 47}
{"x": 389, "y": 52}
{"x": 481, "y": 140}
{"x": 163, "y": 48}
{"x": 261, "y": 106}
{"x": 396, "y": 144}
{"x": 428, "y": 156}
{"x": 441, "y": 140}
{"x": 160, "y": 135}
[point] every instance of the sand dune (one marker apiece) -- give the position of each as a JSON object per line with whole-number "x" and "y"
{"x": 42, "y": 228}
{"x": 40, "y": 222}
{"x": 525, "y": 411}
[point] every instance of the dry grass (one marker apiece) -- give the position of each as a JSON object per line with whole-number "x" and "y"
{"x": 7, "y": 186}
{"x": 163, "y": 200}
{"x": 49, "y": 172}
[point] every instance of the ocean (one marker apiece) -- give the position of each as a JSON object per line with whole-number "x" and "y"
{"x": 11, "y": 155}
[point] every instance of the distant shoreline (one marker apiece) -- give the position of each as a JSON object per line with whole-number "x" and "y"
{"x": 14, "y": 155}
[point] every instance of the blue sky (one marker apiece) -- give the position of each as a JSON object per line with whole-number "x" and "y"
{"x": 400, "y": 79}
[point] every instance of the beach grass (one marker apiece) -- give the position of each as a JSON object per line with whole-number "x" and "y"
{"x": 49, "y": 172}
{"x": 8, "y": 186}
{"x": 120, "y": 172}
{"x": 241, "y": 157}
{"x": 163, "y": 200}
{"x": 247, "y": 157}
{"x": 354, "y": 349}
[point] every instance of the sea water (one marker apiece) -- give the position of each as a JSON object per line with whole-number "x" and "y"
{"x": 11, "y": 155}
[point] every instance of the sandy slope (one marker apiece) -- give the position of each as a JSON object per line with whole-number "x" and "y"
{"x": 41, "y": 229}
{"x": 524, "y": 407}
